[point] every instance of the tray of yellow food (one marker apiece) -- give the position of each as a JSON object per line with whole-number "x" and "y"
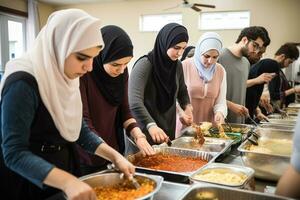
{"x": 224, "y": 174}
{"x": 271, "y": 157}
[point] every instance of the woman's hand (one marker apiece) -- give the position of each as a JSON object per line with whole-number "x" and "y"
{"x": 186, "y": 117}
{"x": 239, "y": 110}
{"x": 124, "y": 166}
{"x": 144, "y": 146}
{"x": 219, "y": 118}
{"x": 70, "y": 185}
{"x": 157, "y": 134}
{"x": 78, "y": 190}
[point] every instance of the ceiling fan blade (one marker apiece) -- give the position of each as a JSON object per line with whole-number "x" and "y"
{"x": 195, "y": 8}
{"x": 204, "y": 5}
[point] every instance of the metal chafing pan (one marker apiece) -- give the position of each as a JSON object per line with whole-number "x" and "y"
{"x": 245, "y": 130}
{"x": 225, "y": 193}
{"x": 267, "y": 166}
{"x": 180, "y": 177}
{"x": 275, "y": 126}
{"x": 281, "y": 122}
{"x": 110, "y": 179}
{"x": 279, "y": 116}
{"x": 216, "y": 145}
{"x": 247, "y": 171}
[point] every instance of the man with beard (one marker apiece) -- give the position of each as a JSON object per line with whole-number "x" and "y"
{"x": 254, "y": 57}
{"x": 281, "y": 92}
{"x": 251, "y": 39}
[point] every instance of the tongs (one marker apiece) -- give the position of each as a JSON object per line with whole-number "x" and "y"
{"x": 252, "y": 120}
{"x": 228, "y": 125}
{"x": 131, "y": 179}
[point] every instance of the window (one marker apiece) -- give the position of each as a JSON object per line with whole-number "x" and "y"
{"x": 224, "y": 20}
{"x": 12, "y": 38}
{"x": 156, "y": 22}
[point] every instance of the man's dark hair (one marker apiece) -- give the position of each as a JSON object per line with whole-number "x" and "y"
{"x": 290, "y": 50}
{"x": 267, "y": 40}
{"x": 252, "y": 33}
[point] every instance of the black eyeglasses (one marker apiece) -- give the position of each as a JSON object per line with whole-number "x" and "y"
{"x": 256, "y": 46}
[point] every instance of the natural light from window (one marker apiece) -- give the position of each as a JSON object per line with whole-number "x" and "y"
{"x": 156, "y": 22}
{"x": 224, "y": 20}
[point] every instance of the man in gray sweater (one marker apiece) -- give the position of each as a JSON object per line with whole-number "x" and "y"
{"x": 250, "y": 40}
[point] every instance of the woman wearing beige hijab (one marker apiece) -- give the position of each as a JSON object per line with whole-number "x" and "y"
{"x": 41, "y": 112}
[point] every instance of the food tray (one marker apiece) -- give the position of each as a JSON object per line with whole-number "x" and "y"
{"x": 110, "y": 179}
{"x": 275, "y": 126}
{"x": 248, "y": 172}
{"x": 267, "y": 166}
{"x": 181, "y": 177}
{"x": 216, "y": 145}
{"x": 225, "y": 193}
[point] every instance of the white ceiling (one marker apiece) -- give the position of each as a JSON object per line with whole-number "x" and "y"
{"x": 66, "y": 2}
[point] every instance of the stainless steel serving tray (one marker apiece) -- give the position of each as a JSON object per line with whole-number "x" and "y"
{"x": 279, "y": 116}
{"x": 275, "y": 126}
{"x": 275, "y": 133}
{"x": 249, "y": 172}
{"x": 226, "y": 193}
{"x": 246, "y": 130}
{"x": 216, "y": 145}
{"x": 285, "y": 122}
{"x": 266, "y": 165}
{"x": 181, "y": 177}
{"x": 110, "y": 179}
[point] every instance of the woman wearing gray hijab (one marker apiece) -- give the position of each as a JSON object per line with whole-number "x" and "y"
{"x": 206, "y": 80}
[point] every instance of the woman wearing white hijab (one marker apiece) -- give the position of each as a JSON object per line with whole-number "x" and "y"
{"x": 206, "y": 80}
{"x": 41, "y": 112}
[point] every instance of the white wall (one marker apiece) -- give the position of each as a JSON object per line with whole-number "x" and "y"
{"x": 280, "y": 18}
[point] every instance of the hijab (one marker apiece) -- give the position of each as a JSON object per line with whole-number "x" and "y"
{"x": 66, "y": 32}
{"x": 117, "y": 45}
{"x": 163, "y": 68}
{"x": 186, "y": 53}
{"x": 208, "y": 41}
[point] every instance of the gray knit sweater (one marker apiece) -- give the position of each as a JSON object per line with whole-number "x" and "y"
{"x": 142, "y": 98}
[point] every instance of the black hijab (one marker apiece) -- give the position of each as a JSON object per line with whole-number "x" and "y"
{"x": 163, "y": 68}
{"x": 186, "y": 52}
{"x": 117, "y": 45}
{"x": 254, "y": 93}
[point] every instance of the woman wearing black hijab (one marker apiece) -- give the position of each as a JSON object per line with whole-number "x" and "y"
{"x": 104, "y": 94}
{"x": 156, "y": 81}
{"x": 188, "y": 53}
{"x": 254, "y": 93}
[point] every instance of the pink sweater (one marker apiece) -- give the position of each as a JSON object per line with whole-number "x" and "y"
{"x": 206, "y": 99}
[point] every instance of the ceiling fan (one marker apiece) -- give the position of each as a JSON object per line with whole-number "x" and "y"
{"x": 194, "y": 6}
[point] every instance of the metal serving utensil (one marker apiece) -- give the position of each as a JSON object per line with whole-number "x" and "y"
{"x": 131, "y": 179}
{"x": 252, "y": 120}
{"x": 228, "y": 125}
{"x": 253, "y": 141}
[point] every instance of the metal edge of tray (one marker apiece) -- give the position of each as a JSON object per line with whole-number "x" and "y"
{"x": 248, "y": 171}
{"x": 181, "y": 177}
{"x": 157, "y": 179}
{"x": 242, "y": 149}
{"x": 228, "y": 143}
{"x": 236, "y": 192}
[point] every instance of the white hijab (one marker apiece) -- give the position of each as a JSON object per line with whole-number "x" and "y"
{"x": 66, "y": 31}
{"x": 208, "y": 41}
